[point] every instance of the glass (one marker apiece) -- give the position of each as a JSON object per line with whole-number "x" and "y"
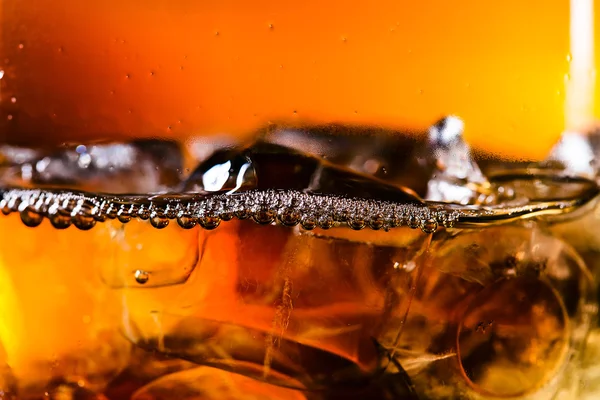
{"x": 162, "y": 238}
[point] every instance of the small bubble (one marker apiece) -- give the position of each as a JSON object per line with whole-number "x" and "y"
{"x": 127, "y": 76}
{"x": 13, "y": 99}
{"x": 141, "y": 276}
{"x": 217, "y": 33}
{"x": 60, "y": 221}
{"x": 429, "y": 226}
{"x": 1, "y": 73}
{"x": 152, "y": 73}
{"x": 357, "y": 224}
{"x": 61, "y": 49}
{"x": 159, "y": 222}
{"x": 569, "y": 57}
{"x": 413, "y": 222}
{"x": 264, "y": 217}
{"x": 209, "y": 222}
{"x": 84, "y": 222}
{"x": 290, "y": 218}
{"x": 21, "y": 46}
{"x": 9, "y": 117}
{"x": 30, "y": 218}
{"x": 344, "y": 39}
{"x": 308, "y": 222}
{"x": 186, "y": 222}
{"x": 271, "y": 27}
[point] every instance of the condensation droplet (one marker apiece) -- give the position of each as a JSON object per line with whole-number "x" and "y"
{"x": 21, "y": 46}
{"x": 13, "y": 99}
{"x": 141, "y": 276}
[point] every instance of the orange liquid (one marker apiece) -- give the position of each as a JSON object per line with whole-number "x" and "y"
{"x": 81, "y": 70}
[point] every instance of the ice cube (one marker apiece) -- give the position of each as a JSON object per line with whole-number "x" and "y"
{"x": 576, "y": 153}
{"x": 456, "y": 176}
{"x": 141, "y": 166}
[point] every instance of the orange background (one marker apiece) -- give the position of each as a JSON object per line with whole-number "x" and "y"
{"x": 82, "y": 70}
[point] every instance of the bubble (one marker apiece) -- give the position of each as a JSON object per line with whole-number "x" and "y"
{"x": 377, "y": 222}
{"x": 186, "y": 222}
{"x": 264, "y": 217}
{"x": 141, "y": 276}
{"x": 308, "y": 222}
{"x": 143, "y": 213}
{"x": 84, "y": 222}
{"x": 357, "y": 224}
{"x": 31, "y": 218}
{"x": 290, "y": 217}
{"x": 429, "y": 226}
{"x": 242, "y": 214}
{"x": 13, "y": 99}
{"x": 159, "y": 222}
{"x": 413, "y": 222}
{"x": 325, "y": 222}
{"x": 209, "y": 222}
{"x": 60, "y": 221}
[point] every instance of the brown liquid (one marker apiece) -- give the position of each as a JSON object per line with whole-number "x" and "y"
{"x": 270, "y": 312}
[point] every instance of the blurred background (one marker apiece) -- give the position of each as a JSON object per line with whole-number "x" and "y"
{"x": 80, "y": 71}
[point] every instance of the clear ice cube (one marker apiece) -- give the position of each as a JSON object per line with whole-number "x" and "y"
{"x": 456, "y": 176}
{"x": 142, "y": 166}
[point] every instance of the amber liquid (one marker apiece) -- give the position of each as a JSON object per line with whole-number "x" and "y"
{"x": 125, "y": 311}
{"x": 272, "y": 312}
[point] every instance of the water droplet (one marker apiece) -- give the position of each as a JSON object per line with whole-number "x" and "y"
{"x": 1, "y": 73}
{"x": 9, "y": 117}
{"x": 271, "y": 27}
{"x": 31, "y": 218}
{"x": 13, "y": 99}
{"x": 21, "y": 46}
{"x": 141, "y": 276}
{"x": 569, "y": 57}
{"x": 186, "y": 222}
{"x": 159, "y": 222}
{"x": 127, "y": 76}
